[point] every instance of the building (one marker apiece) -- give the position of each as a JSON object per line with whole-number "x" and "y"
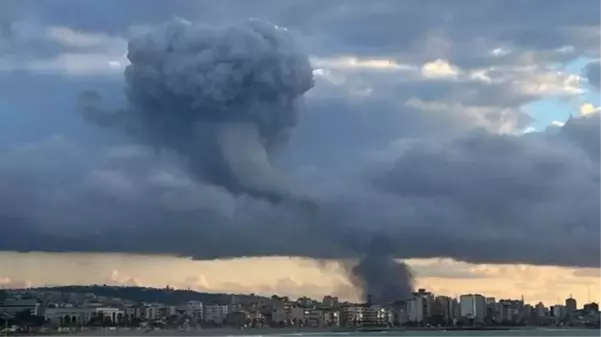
{"x": 73, "y": 316}
{"x": 143, "y": 313}
{"x": 314, "y": 317}
{"x": 304, "y": 302}
{"x": 510, "y": 311}
{"x": 13, "y": 306}
{"x": 69, "y": 316}
{"x": 331, "y": 318}
{"x": 419, "y": 307}
{"x": 540, "y": 310}
{"x": 288, "y": 315}
{"x": 108, "y": 314}
{"x": 215, "y": 313}
{"x": 401, "y": 316}
{"x": 591, "y": 307}
{"x": 351, "y": 315}
{"x": 330, "y": 301}
{"x": 571, "y": 305}
{"x": 167, "y": 311}
{"x": 444, "y": 308}
{"x": 375, "y": 315}
{"x": 473, "y": 306}
{"x": 194, "y": 310}
{"x": 237, "y": 319}
{"x": 558, "y": 311}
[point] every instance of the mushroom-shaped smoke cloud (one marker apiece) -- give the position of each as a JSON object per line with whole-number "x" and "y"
{"x": 222, "y": 97}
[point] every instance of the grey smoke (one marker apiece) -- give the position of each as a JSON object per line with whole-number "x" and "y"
{"x": 380, "y": 277}
{"x": 222, "y": 97}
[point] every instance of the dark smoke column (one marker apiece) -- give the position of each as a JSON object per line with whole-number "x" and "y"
{"x": 379, "y": 276}
{"x": 222, "y": 97}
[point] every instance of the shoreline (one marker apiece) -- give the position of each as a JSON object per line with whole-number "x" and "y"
{"x": 285, "y": 331}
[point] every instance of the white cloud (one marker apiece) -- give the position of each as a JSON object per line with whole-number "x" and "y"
{"x": 500, "y": 52}
{"x": 51, "y": 49}
{"x": 439, "y": 68}
{"x": 8, "y": 283}
{"x": 72, "y": 38}
{"x": 529, "y": 129}
{"x": 588, "y": 109}
{"x": 350, "y": 62}
{"x": 550, "y": 83}
{"x": 69, "y": 64}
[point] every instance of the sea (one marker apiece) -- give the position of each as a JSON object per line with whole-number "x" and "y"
{"x": 274, "y": 333}
{"x": 504, "y": 333}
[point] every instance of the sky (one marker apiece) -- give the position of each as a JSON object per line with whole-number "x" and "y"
{"x": 460, "y": 136}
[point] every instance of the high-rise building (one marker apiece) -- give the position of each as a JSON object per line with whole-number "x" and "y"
{"x": 540, "y": 309}
{"x": 419, "y": 307}
{"x": 571, "y": 305}
{"x": 591, "y": 307}
{"x": 445, "y": 307}
{"x": 558, "y": 311}
{"x": 473, "y": 306}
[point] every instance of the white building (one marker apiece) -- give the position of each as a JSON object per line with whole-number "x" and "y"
{"x": 473, "y": 306}
{"x": 215, "y": 313}
{"x": 114, "y": 314}
{"x": 144, "y": 312}
{"x": 194, "y": 310}
{"x": 351, "y": 315}
{"x": 419, "y": 307}
{"x": 375, "y": 315}
{"x": 69, "y": 316}
{"x": 415, "y": 312}
{"x": 167, "y": 311}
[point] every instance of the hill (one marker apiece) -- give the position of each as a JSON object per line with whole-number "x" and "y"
{"x": 151, "y": 295}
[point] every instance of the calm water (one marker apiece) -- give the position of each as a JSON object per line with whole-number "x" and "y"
{"x": 534, "y": 332}
{"x": 512, "y": 333}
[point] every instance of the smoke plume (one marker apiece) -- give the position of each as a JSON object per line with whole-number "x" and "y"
{"x": 222, "y": 97}
{"x": 379, "y": 277}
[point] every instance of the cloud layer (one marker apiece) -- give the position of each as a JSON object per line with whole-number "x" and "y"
{"x": 413, "y": 132}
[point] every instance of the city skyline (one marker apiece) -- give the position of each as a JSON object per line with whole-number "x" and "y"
{"x": 102, "y": 306}
{"x": 296, "y": 277}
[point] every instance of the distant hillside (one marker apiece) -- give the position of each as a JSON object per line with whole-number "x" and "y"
{"x": 151, "y": 295}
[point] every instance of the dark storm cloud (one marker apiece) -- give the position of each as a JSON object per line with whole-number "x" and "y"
{"x": 479, "y": 198}
{"x": 593, "y": 73}
{"x": 438, "y": 188}
{"x": 463, "y": 30}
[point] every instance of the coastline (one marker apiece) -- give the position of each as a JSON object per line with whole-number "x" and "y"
{"x": 287, "y": 331}
{"x": 293, "y": 331}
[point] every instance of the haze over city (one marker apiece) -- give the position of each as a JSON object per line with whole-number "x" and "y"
{"x": 303, "y": 148}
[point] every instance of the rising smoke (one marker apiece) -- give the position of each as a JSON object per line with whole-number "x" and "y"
{"x": 223, "y": 99}
{"x": 380, "y": 277}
